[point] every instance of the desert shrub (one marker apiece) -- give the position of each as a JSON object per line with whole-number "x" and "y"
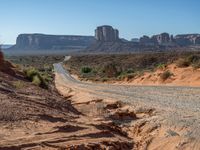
{"x": 86, "y": 70}
{"x": 104, "y": 79}
{"x": 30, "y": 73}
{"x": 110, "y": 70}
{"x": 129, "y": 71}
{"x": 126, "y": 76}
{"x": 94, "y": 71}
{"x": 196, "y": 65}
{"x": 18, "y": 84}
{"x": 161, "y": 66}
{"x": 182, "y": 63}
{"x": 193, "y": 58}
{"x": 36, "y": 78}
{"x": 165, "y": 75}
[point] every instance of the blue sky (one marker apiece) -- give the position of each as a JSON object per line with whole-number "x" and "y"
{"x": 133, "y": 18}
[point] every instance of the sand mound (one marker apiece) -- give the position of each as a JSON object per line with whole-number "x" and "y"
{"x": 179, "y": 77}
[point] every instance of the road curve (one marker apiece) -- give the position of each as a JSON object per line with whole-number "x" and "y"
{"x": 181, "y": 104}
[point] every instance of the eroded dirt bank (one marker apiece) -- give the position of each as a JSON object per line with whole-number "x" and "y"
{"x": 34, "y": 118}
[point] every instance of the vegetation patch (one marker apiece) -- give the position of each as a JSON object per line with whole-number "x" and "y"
{"x": 182, "y": 63}
{"x": 86, "y": 69}
{"x": 161, "y": 66}
{"x": 166, "y": 75}
{"x": 36, "y": 77}
{"x": 191, "y": 60}
{"x": 127, "y": 66}
{"x": 18, "y": 84}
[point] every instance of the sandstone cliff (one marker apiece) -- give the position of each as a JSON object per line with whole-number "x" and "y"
{"x": 106, "y": 34}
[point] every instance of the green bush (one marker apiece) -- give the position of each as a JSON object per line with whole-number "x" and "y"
{"x": 86, "y": 70}
{"x": 129, "y": 71}
{"x": 165, "y": 75}
{"x": 161, "y": 66}
{"x": 18, "y": 84}
{"x": 36, "y": 78}
{"x": 128, "y": 74}
{"x": 110, "y": 70}
{"x": 30, "y": 73}
{"x": 192, "y": 60}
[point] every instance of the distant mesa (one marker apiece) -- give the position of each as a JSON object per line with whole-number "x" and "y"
{"x": 52, "y": 42}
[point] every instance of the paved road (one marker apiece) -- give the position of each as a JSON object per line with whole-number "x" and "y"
{"x": 181, "y": 105}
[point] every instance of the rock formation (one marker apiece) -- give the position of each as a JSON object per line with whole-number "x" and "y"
{"x": 108, "y": 41}
{"x": 48, "y": 42}
{"x": 163, "y": 39}
{"x": 187, "y": 39}
{"x": 145, "y": 40}
{"x": 197, "y": 41}
{"x": 106, "y": 34}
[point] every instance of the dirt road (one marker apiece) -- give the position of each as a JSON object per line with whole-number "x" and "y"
{"x": 175, "y": 106}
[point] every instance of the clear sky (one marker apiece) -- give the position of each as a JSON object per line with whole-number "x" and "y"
{"x": 133, "y": 18}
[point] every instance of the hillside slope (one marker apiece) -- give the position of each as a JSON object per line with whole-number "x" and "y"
{"x": 35, "y": 118}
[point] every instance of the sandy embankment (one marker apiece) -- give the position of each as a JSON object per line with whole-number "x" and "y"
{"x": 180, "y": 77}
